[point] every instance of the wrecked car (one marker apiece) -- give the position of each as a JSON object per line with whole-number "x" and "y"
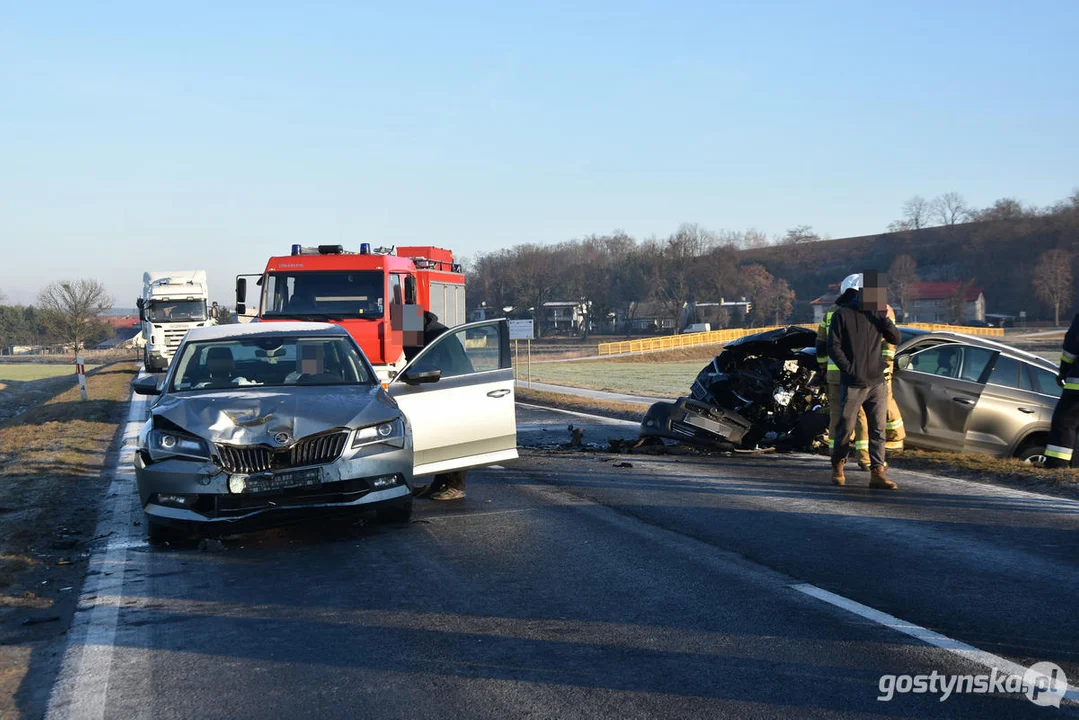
{"x": 762, "y": 390}
{"x": 259, "y": 424}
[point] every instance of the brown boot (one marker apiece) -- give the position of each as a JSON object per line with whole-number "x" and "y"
{"x": 838, "y": 476}
{"x": 880, "y": 481}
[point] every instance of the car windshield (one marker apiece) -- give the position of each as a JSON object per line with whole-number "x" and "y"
{"x": 179, "y": 311}
{"x": 270, "y": 362}
{"x": 325, "y": 295}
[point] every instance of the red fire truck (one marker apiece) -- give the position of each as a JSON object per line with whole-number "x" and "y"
{"x": 377, "y": 295}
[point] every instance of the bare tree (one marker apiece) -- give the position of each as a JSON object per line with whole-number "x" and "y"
{"x": 754, "y": 238}
{"x": 901, "y": 275}
{"x": 958, "y": 301}
{"x": 1002, "y": 209}
{"x": 800, "y": 234}
{"x": 917, "y": 212}
{"x": 779, "y": 301}
{"x": 678, "y": 269}
{"x": 73, "y": 310}
{"x": 950, "y": 208}
{"x": 1053, "y": 280}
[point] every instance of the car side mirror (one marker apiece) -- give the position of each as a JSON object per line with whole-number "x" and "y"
{"x": 421, "y": 377}
{"x": 902, "y": 362}
{"x": 146, "y": 386}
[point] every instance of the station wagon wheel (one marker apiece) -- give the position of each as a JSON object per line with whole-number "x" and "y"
{"x": 1033, "y": 454}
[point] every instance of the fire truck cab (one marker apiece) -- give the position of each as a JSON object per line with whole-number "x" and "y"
{"x": 379, "y": 296}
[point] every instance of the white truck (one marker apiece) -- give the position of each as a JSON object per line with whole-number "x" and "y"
{"x": 172, "y": 303}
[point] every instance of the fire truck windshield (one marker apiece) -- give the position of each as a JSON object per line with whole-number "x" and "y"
{"x": 159, "y": 311}
{"x": 324, "y": 295}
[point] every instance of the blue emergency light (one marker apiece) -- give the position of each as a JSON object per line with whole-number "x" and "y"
{"x": 365, "y": 248}
{"x": 297, "y": 249}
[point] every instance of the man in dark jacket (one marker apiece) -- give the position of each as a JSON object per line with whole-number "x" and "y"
{"x": 1061, "y": 445}
{"x": 854, "y": 345}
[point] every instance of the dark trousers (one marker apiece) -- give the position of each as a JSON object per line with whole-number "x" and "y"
{"x": 875, "y": 401}
{"x": 1058, "y": 453}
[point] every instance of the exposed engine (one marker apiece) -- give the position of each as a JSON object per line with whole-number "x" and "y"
{"x": 762, "y": 390}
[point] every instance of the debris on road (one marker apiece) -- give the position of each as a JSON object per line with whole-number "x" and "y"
{"x": 41, "y": 620}
{"x": 211, "y": 545}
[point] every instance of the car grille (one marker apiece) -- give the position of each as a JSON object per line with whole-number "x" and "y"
{"x": 173, "y": 338}
{"x": 316, "y": 450}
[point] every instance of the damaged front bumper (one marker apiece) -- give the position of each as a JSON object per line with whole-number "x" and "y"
{"x": 763, "y": 390}
{"x": 196, "y": 493}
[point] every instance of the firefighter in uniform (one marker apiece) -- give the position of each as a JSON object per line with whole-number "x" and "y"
{"x": 894, "y": 432}
{"x": 831, "y": 374}
{"x": 1058, "y": 453}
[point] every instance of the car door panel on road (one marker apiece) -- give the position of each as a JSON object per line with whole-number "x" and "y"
{"x": 937, "y": 389}
{"x": 458, "y": 396}
{"x": 1006, "y": 412}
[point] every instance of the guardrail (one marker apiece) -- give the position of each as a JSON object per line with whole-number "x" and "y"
{"x": 673, "y": 342}
{"x": 940, "y": 327}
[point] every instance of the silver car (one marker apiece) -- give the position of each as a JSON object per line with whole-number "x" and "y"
{"x": 257, "y": 424}
{"x": 965, "y": 393}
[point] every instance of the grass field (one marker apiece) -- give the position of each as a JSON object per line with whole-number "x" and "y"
{"x": 660, "y": 379}
{"x": 26, "y": 372}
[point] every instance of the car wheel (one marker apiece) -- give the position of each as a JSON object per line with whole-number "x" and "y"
{"x": 1033, "y": 454}
{"x": 398, "y": 514}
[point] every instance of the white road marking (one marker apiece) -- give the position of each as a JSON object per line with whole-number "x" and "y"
{"x": 929, "y": 637}
{"x": 610, "y": 421}
{"x": 82, "y": 685}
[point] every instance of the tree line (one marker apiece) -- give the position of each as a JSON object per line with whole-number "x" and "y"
{"x": 1022, "y": 254}
{"x": 67, "y": 313}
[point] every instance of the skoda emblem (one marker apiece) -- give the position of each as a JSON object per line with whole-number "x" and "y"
{"x": 281, "y": 438}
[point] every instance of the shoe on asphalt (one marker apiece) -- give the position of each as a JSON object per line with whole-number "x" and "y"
{"x": 863, "y": 466}
{"x": 839, "y": 477}
{"x": 880, "y": 481}
{"x": 449, "y": 494}
{"x": 421, "y": 490}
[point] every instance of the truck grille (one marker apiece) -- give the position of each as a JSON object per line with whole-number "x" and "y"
{"x": 315, "y": 450}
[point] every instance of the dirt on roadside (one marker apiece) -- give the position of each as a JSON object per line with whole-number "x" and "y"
{"x": 53, "y": 455}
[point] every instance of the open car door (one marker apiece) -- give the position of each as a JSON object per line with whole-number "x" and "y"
{"x": 458, "y": 396}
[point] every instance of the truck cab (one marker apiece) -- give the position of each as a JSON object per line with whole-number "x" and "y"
{"x": 172, "y": 302}
{"x": 378, "y": 296}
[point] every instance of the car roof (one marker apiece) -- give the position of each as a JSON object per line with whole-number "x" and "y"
{"x": 269, "y": 329}
{"x": 991, "y": 344}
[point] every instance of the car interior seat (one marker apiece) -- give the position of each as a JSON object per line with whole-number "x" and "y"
{"x": 220, "y": 366}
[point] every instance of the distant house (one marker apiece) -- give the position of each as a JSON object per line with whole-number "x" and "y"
{"x": 933, "y": 302}
{"x": 565, "y": 317}
{"x": 822, "y": 304}
{"x": 121, "y": 322}
{"x": 124, "y": 338}
{"x": 645, "y": 317}
{"x": 928, "y": 302}
{"x": 725, "y": 313}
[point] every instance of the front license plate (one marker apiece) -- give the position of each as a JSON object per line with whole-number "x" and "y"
{"x": 269, "y": 482}
{"x": 707, "y": 424}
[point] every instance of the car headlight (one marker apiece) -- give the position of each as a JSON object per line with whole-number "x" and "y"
{"x": 388, "y": 433}
{"x": 163, "y": 444}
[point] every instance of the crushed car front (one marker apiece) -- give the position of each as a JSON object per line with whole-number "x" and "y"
{"x": 251, "y": 439}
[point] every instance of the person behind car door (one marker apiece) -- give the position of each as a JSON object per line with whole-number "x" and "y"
{"x": 831, "y": 375}
{"x": 1061, "y": 445}
{"x": 854, "y": 345}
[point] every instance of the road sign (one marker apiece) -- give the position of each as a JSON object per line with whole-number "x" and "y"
{"x": 521, "y": 330}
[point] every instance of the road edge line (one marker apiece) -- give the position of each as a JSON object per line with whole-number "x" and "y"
{"x": 927, "y": 636}
{"x": 81, "y": 686}
{"x": 579, "y": 414}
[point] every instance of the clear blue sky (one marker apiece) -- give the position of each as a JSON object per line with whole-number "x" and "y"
{"x": 212, "y": 135}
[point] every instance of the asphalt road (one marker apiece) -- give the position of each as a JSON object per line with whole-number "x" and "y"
{"x": 568, "y": 586}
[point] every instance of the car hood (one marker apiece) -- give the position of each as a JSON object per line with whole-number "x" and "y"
{"x": 254, "y": 417}
{"x": 774, "y": 342}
